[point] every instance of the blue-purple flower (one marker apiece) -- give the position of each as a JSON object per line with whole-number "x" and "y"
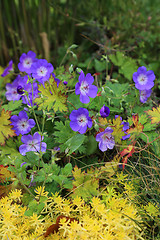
{"x": 11, "y": 93}
{"x": 31, "y": 91}
{"x": 125, "y": 128}
{"x": 26, "y": 62}
{"x": 105, "y": 139}
{"x": 32, "y": 143}
{"x": 80, "y": 120}
{"x": 41, "y": 70}
{"x": 65, "y": 82}
{"x": 144, "y": 80}
{"x": 21, "y": 123}
{"x": 7, "y": 69}
{"x": 85, "y": 88}
{"x": 144, "y": 95}
{"x": 104, "y": 111}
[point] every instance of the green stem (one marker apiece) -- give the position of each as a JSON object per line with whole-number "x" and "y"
{"x": 72, "y": 105}
{"x": 26, "y": 188}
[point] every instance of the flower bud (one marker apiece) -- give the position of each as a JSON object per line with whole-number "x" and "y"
{"x": 104, "y": 111}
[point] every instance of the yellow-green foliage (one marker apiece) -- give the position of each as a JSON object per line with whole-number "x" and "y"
{"x": 109, "y": 218}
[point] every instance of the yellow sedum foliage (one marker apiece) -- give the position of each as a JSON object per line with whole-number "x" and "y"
{"x": 51, "y": 96}
{"x": 6, "y": 130}
{"x": 111, "y": 218}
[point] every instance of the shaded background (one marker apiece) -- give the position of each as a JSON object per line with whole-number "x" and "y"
{"x": 49, "y": 27}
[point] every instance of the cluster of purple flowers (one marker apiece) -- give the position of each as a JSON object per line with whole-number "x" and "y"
{"x": 37, "y": 70}
{"x": 144, "y": 81}
{"x": 80, "y": 119}
{"x": 22, "y": 125}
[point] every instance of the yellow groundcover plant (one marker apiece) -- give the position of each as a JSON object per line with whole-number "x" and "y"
{"x": 109, "y": 218}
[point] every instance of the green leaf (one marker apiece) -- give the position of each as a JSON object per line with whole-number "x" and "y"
{"x": 127, "y": 66}
{"x": 12, "y": 106}
{"x": 73, "y": 46}
{"x": 91, "y": 145}
{"x": 74, "y": 143}
{"x": 67, "y": 170}
{"x": 63, "y": 133}
{"x": 117, "y": 59}
{"x": 100, "y": 65}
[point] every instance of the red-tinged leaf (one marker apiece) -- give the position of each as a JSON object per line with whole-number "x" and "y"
{"x": 5, "y": 174}
{"x": 154, "y": 114}
{"x": 55, "y": 227}
{"x": 128, "y": 152}
{"x": 135, "y": 128}
{"x": 6, "y": 130}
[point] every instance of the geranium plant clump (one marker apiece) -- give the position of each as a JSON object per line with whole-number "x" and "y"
{"x": 56, "y": 120}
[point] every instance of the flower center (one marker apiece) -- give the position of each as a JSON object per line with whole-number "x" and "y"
{"x": 143, "y": 93}
{"x": 23, "y": 124}
{"x": 27, "y": 62}
{"x": 84, "y": 88}
{"x": 82, "y": 120}
{"x": 142, "y": 79}
{"x": 105, "y": 137}
{"x": 42, "y": 71}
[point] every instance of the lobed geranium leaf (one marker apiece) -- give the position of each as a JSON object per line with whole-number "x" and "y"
{"x": 13, "y": 106}
{"x": 51, "y": 96}
{"x": 6, "y": 130}
{"x": 154, "y": 114}
{"x": 117, "y": 127}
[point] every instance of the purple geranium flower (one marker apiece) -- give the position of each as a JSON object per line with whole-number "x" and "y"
{"x": 31, "y": 93}
{"x": 85, "y": 88}
{"x": 21, "y": 123}
{"x": 65, "y": 82}
{"x": 80, "y": 120}
{"x": 32, "y": 143}
{"x": 104, "y": 111}
{"x": 143, "y": 79}
{"x": 125, "y": 127}
{"x": 11, "y": 93}
{"x": 41, "y": 70}
{"x": 7, "y": 69}
{"x": 26, "y": 62}
{"x": 144, "y": 95}
{"x": 105, "y": 139}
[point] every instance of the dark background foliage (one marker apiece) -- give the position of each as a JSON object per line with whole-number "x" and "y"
{"x": 49, "y": 27}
